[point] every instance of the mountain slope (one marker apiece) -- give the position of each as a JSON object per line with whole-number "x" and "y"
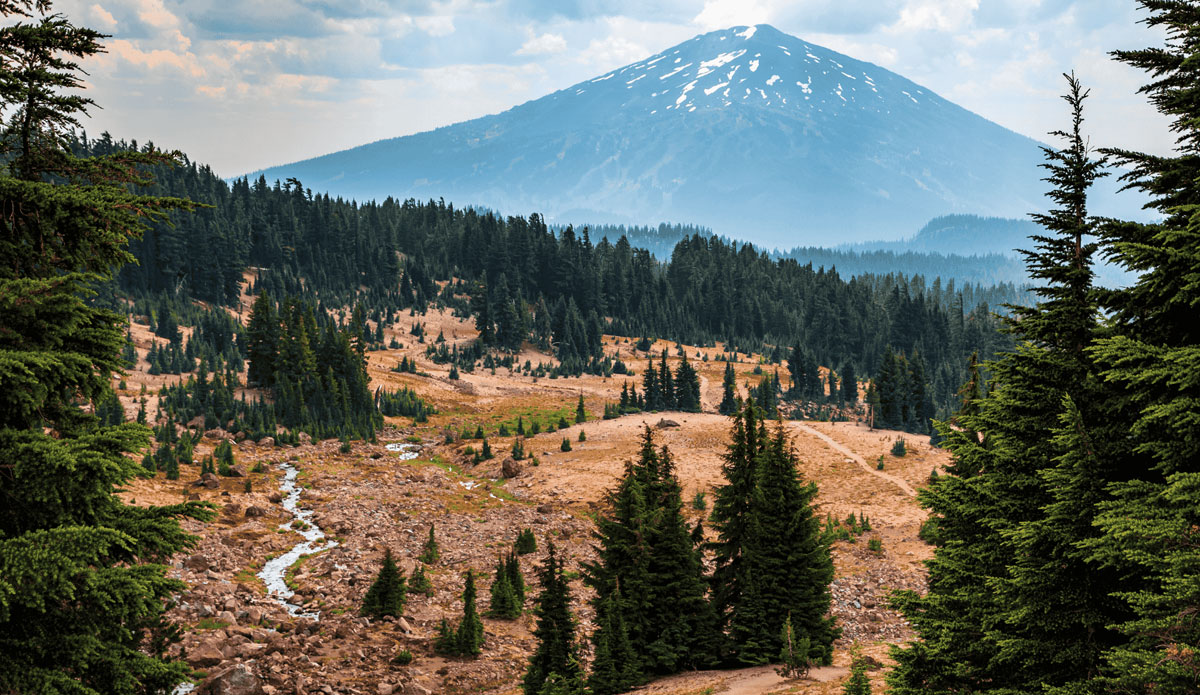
{"x": 749, "y": 131}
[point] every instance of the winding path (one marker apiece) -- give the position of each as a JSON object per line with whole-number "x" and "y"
{"x": 908, "y": 490}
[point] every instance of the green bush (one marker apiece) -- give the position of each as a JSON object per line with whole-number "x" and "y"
{"x": 899, "y": 449}
{"x": 404, "y": 658}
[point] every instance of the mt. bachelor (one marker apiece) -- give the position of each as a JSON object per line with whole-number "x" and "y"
{"x": 750, "y": 131}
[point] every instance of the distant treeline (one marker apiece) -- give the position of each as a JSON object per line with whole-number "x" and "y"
{"x": 525, "y": 281}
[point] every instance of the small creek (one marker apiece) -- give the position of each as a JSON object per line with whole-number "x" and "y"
{"x": 315, "y": 540}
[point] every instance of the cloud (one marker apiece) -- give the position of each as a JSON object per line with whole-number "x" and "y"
{"x": 102, "y": 18}
{"x": 720, "y": 14}
{"x": 542, "y": 45}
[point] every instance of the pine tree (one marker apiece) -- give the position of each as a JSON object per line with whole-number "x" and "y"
{"x": 468, "y": 638}
{"x": 1151, "y": 360}
{"x": 614, "y": 668}
{"x": 793, "y": 651}
{"x": 429, "y": 551}
{"x": 388, "y": 593}
{"x": 580, "y": 413}
{"x": 419, "y": 582}
{"x": 512, "y": 566}
{"x": 646, "y": 549}
{"x": 786, "y": 567}
{"x": 503, "y": 604}
{"x": 556, "y": 651}
{"x": 83, "y": 586}
{"x": 729, "y": 399}
{"x": 1006, "y": 610}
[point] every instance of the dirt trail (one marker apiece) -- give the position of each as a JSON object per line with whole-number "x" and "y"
{"x": 908, "y": 490}
{"x": 755, "y": 680}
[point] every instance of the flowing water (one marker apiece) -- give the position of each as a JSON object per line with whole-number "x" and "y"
{"x": 273, "y": 572}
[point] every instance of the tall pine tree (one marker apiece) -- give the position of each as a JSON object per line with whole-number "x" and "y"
{"x": 83, "y": 581}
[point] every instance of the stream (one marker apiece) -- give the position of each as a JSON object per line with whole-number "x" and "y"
{"x": 272, "y": 573}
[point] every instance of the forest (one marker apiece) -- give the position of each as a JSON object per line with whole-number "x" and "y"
{"x": 1066, "y": 528}
{"x": 523, "y": 282}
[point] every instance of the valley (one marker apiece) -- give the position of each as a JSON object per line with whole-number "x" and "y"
{"x": 374, "y": 497}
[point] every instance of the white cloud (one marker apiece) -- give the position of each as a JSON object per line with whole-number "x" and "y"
{"x": 720, "y": 14}
{"x": 543, "y": 45}
{"x": 102, "y": 17}
{"x": 442, "y": 25}
{"x": 937, "y": 15}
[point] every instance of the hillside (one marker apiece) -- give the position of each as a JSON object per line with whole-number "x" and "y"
{"x": 752, "y": 132}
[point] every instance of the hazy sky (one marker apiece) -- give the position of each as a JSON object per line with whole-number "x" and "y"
{"x": 244, "y": 84}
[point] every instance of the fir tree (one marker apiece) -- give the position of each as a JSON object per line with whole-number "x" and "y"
{"x": 468, "y": 638}
{"x": 556, "y": 651}
{"x": 729, "y": 403}
{"x": 580, "y": 413}
{"x": 731, "y": 512}
{"x": 419, "y": 582}
{"x": 82, "y": 574}
{"x": 388, "y": 593}
{"x": 512, "y": 566}
{"x": 614, "y": 668}
{"x": 526, "y": 542}
{"x": 786, "y": 567}
{"x": 687, "y": 387}
{"x": 1151, "y": 360}
{"x": 429, "y": 551}
{"x": 503, "y": 602}
{"x": 646, "y": 549}
{"x": 1006, "y": 610}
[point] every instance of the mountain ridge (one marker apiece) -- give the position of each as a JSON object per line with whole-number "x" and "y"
{"x": 747, "y": 130}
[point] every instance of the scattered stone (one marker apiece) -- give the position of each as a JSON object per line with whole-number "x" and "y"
{"x": 205, "y": 655}
{"x": 235, "y": 680}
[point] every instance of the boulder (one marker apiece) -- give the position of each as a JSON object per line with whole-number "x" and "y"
{"x": 196, "y": 563}
{"x": 664, "y": 423}
{"x": 305, "y": 438}
{"x": 253, "y": 511}
{"x": 208, "y": 480}
{"x": 206, "y": 654}
{"x": 216, "y": 433}
{"x": 238, "y": 471}
{"x": 275, "y": 498}
{"x": 267, "y": 441}
{"x": 511, "y": 468}
{"x": 235, "y": 680}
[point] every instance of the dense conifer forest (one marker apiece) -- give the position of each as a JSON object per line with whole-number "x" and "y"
{"x": 520, "y": 281}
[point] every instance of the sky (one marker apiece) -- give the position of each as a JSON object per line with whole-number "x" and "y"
{"x": 245, "y": 84}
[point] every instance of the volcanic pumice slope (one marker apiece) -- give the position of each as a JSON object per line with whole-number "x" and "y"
{"x": 748, "y": 130}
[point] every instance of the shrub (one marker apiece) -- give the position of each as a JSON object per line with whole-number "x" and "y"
{"x": 875, "y": 545}
{"x": 698, "y": 502}
{"x": 566, "y": 445}
{"x": 899, "y": 449}
{"x": 404, "y": 658}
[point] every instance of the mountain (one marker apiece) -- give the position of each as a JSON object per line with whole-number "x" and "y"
{"x": 749, "y": 131}
{"x": 964, "y": 235}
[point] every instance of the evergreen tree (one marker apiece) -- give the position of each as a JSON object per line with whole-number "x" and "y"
{"x": 556, "y": 652}
{"x": 468, "y": 638}
{"x": 646, "y": 549}
{"x": 429, "y": 551}
{"x": 512, "y": 566}
{"x": 83, "y": 583}
{"x": 729, "y": 404}
{"x": 614, "y": 668}
{"x": 849, "y": 386}
{"x": 526, "y": 542}
{"x": 580, "y": 413}
{"x": 419, "y": 582}
{"x": 388, "y": 593}
{"x": 687, "y": 387}
{"x": 786, "y": 567}
{"x": 731, "y": 513}
{"x": 503, "y": 602}
{"x": 1005, "y": 611}
{"x": 1151, "y": 360}
{"x": 858, "y": 683}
